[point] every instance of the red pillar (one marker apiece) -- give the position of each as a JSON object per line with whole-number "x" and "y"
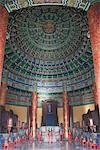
{"x": 34, "y": 113}
{"x": 94, "y": 28}
{"x": 94, "y": 90}
{"x": 66, "y": 114}
{"x": 3, "y": 93}
{"x": 3, "y": 30}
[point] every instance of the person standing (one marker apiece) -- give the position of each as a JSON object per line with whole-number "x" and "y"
{"x": 39, "y": 136}
{"x": 61, "y": 134}
{"x": 50, "y": 136}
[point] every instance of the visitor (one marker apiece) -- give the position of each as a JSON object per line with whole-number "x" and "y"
{"x": 50, "y": 136}
{"x": 61, "y": 134}
{"x": 70, "y": 137}
{"x": 39, "y": 136}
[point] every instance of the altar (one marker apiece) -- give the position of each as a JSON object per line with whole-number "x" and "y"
{"x": 55, "y": 133}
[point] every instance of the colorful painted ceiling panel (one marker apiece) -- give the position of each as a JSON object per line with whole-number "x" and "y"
{"x": 18, "y": 97}
{"x": 58, "y": 97}
{"x": 48, "y": 49}
{"x": 48, "y": 42}
{"x": 80, "y": 97}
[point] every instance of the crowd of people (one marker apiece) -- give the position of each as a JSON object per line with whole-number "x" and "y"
{"x": 50, "y": 135}
{"x": 19, "y": 132}
{"x": 22, "y": 131}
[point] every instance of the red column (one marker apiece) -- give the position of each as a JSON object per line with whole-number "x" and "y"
{"x": 66, "y": 114}
{"x": 94, "y": 28}
{"x": 34, "y": 113}
{"x": 94, "y": 90}
{"x": 3, "y": 30}
{"x": 3, "y": 93}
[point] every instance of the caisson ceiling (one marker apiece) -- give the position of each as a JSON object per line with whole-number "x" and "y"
{"x": 48, "y": 49}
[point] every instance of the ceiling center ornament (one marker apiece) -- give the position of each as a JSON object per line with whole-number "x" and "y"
{"x": 48, "y": 26}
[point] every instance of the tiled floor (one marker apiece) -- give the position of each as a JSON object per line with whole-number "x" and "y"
{"x": 52, "y": 146}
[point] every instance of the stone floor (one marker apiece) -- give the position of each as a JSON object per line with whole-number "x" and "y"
{"x": 52, "y": 146}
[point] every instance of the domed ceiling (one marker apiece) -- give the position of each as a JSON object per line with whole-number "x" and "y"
{"x": 48, "y": 34}
{"x": 48, "y": 45}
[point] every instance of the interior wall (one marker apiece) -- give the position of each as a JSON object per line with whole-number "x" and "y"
{"x": 78, "y": 111}
{"x": 39, "y": 117}
{"x": 60, "y": 115}
{"x": 20, "y": 111}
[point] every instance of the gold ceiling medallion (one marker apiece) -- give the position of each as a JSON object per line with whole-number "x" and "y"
{"x": 49, "y": 26}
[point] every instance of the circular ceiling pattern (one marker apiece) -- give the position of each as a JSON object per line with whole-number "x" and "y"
{"x": 49, "y": 44}
{"x": 47, "y": 51}
{"x": 48, "y": 33}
